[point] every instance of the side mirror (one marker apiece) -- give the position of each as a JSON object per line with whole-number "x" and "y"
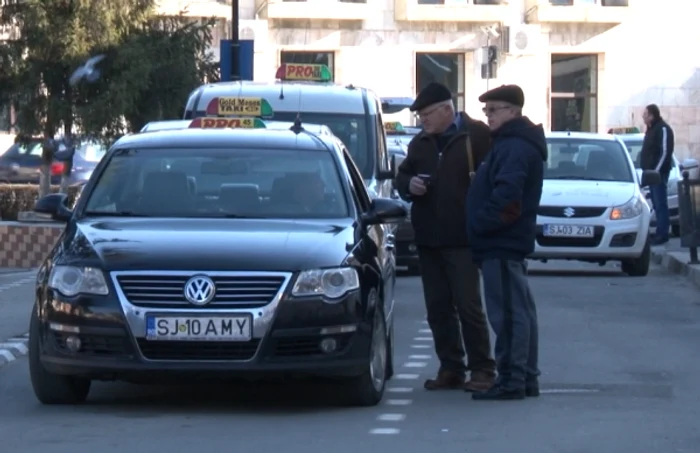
{"x": 650, "y": 178}
{"x": 385, "y": 210}
{"x": 54, "y": 205}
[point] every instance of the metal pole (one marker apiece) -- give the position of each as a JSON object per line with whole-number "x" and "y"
{"x": 235, "y": 49}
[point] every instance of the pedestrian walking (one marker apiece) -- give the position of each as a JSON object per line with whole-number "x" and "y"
{"x": 435, "y": 177}
{"x": 502, "y": 218}
{"x": 657, "y": 154}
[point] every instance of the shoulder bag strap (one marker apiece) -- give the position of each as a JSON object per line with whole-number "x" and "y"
{"x": 470, "y": 157}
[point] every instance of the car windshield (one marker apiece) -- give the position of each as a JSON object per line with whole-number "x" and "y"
{"x": 587, "y": 159}
{"x": 635, "y": 149}
{"x": 91, "y": 152}
{"x": 350, "y": 129}
{"x": 204, "y": 183}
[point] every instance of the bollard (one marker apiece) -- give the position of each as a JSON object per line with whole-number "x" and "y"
{"x": 689, "y": 208}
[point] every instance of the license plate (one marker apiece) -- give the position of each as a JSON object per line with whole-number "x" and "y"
{"x": 568, "y": 231}
{"x": 199, "y": 328}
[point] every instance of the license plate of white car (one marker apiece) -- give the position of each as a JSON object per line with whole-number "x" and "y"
{"x": 199, "y": 328}
{"x": 568, "y": 231}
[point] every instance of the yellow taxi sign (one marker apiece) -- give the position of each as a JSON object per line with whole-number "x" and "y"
{"x": 394, "y": 127}
{"x": 239, "y": 106}
{"x": 227, "y": 123}
{"x": 624, "y": 130}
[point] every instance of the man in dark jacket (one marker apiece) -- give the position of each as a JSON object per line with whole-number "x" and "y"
{"x": 435, "y": 177}
{"x": 657, "y": 154}
{"x": 502, "y": 218}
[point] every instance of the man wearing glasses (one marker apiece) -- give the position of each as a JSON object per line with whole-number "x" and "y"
{"x": 502, "y": 219}
{"x": 435, "y": 177}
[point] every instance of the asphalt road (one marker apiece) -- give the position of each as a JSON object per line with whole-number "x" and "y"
{"x": 619, "y": 357}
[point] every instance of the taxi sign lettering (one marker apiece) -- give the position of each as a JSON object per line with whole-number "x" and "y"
{"x": 624, "y": 130}
{"x": 238, "y": 106}
{"x": 306, "y": 72}
{"x": 227, "y": 123}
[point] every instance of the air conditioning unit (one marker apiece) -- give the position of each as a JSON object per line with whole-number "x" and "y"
{"x": 522, "y": 39}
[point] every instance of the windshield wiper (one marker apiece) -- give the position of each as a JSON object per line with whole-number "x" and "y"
{"x": 114, "y": 214}
{"x": 582, "y": 178}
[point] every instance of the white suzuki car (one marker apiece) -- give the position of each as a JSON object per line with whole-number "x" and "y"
{"x": 592, "y": 208}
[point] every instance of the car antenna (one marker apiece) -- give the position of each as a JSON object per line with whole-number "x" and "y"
{"x": 297, "y": 127}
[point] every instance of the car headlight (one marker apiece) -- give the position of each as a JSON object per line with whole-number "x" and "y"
{"x": 71, "y": 280}
{"x": 629, "y": 210}
{"x": 672, "y": 187}
{"x": 331, "y": 283}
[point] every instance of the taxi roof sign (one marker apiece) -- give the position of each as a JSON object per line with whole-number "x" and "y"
{"x": 394, "y": 127}
{"x": 305, "y": 72}
{"x": 624, "y": 130}
{"x": 239, "y": 106}
{"x": 227, "y": 123}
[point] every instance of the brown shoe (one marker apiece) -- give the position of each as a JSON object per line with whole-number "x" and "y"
{"x": 445, "y": 380}
{"x": 479, "y": 381}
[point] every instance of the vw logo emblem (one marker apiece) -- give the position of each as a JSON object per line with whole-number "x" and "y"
{"x": 200, "y": 290}
{"x": 569, "y": 212}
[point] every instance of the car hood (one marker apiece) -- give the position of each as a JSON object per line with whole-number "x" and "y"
{"x": 207, "y": 244}
{"x": 586, "y": 193}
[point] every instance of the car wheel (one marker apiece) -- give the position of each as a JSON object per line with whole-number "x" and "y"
{"x": 638, "y": 267}
{"x": 52, "y": 388}
{"x": 368, "y": 388}
{"x": 676, "y": 230}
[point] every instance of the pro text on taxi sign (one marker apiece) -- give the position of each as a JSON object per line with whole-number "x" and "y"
{"x": 305, "y": 72}
{"x": 227, "y": 123}
{"x": 239, "y": 106}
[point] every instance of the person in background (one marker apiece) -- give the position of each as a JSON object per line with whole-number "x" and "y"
{"x": 657, "y": 154}
{"x": 435, "y": 177}
{"x": 502, "y": 220}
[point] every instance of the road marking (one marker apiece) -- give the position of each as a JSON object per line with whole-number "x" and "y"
{"x": 425, "y": 331}
{"x": 385, "y": 431}
{"x": 399, "y": 402}
{"x": 420, "y": 357}
{"x": 20, "y": 346}
{"x": 400, "y": 389}
{"x": 420, "y": 346}
{"x": 422, "y": 339}
{"x": 391, "y": 417}
{"x": 564, "y": 391}
{"x": 407, "y": 376}
{"x": 415, "y": 364}
{"x": 7, "y": 355}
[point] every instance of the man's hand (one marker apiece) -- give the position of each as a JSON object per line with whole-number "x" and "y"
{"x": 416, "y": 186}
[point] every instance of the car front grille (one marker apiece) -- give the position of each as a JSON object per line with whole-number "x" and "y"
{"x": 198, "y": 350}
{"x": 573, "y": 212}
{"x": 167, "y": 291}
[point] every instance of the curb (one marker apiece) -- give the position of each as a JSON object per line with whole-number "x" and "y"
{"x": 13, "y": 349}
{"x": 677, "y": 263}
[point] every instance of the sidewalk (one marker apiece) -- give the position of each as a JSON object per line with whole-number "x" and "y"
{"x": 674, "y": 258}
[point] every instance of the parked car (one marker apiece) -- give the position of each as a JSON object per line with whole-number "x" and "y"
{"x": 21, "y": 163}
{"x": 592, "y": 206}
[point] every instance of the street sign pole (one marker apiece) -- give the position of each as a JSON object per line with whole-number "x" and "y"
{"x": 235, "y": 48}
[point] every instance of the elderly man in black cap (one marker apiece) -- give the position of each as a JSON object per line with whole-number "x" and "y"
{"x": 502, "y": 218}
{"x": 435, "y": 177}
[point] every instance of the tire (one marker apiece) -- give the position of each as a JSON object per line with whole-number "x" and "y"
{"x": 365, "y": 390}
{"x": 676, "y": 231}
{"x": 638, "y": 267}
{"x": 49, "y": 388}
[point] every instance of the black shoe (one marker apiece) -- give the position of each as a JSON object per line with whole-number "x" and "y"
{"x": 497, "y": 393}
{"x": 532, "y": 391}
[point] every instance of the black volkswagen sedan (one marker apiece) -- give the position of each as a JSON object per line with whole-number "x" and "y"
{"x": 235, "y": 253}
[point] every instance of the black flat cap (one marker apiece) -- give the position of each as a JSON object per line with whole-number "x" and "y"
{"x": 431, "y": 94}
{"x": 512, "y": 94}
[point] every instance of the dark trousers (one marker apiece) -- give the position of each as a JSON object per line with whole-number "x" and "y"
{"x": 455, "y": 315}
{"x": 659, "y": 199}
{"x": 513, "y": 317}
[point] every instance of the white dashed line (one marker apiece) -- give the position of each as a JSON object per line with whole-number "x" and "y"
{"x": 399, "y": 402}
{"x": 415, "y": 364}
{"x": 407, "y": 376}
{"x": 425, "y": 331}
{"x": 391, "y": 417}
{"x": 420, "y": 357}
{"x": 399, "y": 389}
{"x": 421, "y": 346}
{"x": 385, "y": 431}
{"x": 423, "y": 339}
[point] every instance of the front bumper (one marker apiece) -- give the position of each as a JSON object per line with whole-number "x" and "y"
{"x": 286, "y": 339}
{"x": 613, "y": 239}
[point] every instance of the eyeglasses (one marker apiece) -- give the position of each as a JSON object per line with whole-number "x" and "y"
{"x": 490, "y": 110}
{"x": 427, "y": 113}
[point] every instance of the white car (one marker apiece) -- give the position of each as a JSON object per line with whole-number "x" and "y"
{"x": 592, "y": 207}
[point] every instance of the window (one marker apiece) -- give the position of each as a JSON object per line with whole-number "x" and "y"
{"x": 305, "y": 57}
{"x": 635, "y": 149}
{"x": 586, "y": 159}
{"x": 205, "y": 183}
{"x": 574, "y": 105}
{"x": 445, "y": 68}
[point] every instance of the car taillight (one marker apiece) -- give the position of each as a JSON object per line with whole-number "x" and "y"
{"x": 57, "y": 168}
